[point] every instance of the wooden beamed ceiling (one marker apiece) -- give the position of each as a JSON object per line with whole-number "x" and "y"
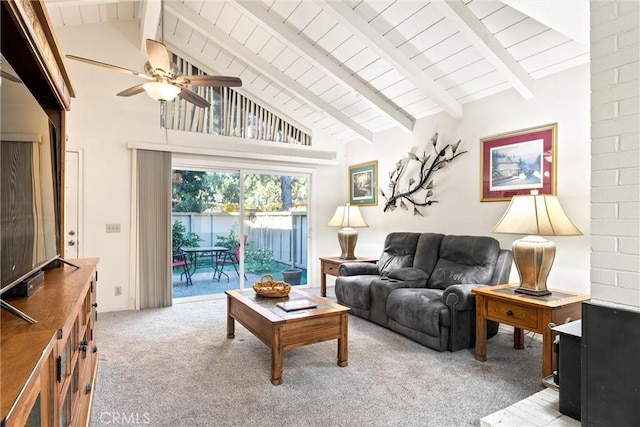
{"x": 353, "y": 68}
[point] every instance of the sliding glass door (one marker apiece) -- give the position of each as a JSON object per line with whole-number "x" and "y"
{"x": 232, "y": 228}
{"x": 205, "y": 229}
{"x": 275, "y": 222}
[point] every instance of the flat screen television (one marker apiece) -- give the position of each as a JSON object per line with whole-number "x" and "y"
{"x": 28, "y": 185}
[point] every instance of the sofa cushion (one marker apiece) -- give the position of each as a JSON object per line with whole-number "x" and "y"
{"x": 355, "y": 291}
{"x": 419, "y": 309}
{"x": 464, "y": 259}
{"x": 399, "y": 250}
{"x": 427, "y": 252}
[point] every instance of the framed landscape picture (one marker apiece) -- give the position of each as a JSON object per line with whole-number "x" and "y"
{"x": 517, "y": 162}
{"x": 363, "y": 184}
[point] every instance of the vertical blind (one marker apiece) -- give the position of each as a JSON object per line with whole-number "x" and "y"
{"x": 230, "y": 114}
{"x": 154, "y": 228}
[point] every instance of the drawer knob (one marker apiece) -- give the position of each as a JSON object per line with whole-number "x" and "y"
{"x": 509, "y": 313}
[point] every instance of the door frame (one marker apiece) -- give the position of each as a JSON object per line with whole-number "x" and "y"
{"x": 210, "y": 163}
{"x": 79, "y": 200}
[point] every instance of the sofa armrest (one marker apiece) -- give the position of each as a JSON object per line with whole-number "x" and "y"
{"x": 358, "y": 269}
{"x": 408, "y": 274}
{"x": 460, "y": 297}
{"x": 461, "y": 302}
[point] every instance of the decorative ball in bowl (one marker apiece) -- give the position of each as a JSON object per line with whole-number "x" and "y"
{"x": 267, "y": 287}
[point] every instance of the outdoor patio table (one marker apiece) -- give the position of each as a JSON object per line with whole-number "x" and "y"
{"x": 218, "y": 255}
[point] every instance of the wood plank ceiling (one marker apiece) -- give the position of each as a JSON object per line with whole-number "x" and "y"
{"x": 353, "y": 68}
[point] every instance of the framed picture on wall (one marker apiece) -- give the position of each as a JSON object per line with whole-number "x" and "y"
{"x": 515, "y": 163}
{"x": 363, "y": 184}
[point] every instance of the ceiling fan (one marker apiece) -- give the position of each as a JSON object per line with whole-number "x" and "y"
{"x": 165, "y": 80}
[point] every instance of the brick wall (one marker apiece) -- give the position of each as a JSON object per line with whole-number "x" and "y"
{"x": 615, "y": 152}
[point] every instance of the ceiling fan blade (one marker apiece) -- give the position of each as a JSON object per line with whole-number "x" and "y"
{"x": 158, "y": 56}
{"x": 215, "y": 81}
{"x": 132, "y": 91}
{"x": 194, "y": 98}
{"x": 109, "y": 66}
{"x": 9, "y": 76}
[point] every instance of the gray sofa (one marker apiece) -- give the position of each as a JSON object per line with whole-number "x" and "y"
{"x": 421, "y": 286}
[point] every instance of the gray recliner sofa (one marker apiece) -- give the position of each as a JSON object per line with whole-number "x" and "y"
{"x": 421, "y": 286}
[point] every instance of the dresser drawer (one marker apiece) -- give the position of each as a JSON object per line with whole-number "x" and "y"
{"x": 513, "y": 314}
{"x": 332, "y": 269}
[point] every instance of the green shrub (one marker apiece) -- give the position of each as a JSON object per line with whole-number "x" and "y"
{"x": 259, "y": 260}
{"x": 256, "y": 260}
{"x": 229, "y": 241}
{"x": 180, "y": 238}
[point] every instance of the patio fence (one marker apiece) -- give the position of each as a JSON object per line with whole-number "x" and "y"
{"x": 283, "y": 232}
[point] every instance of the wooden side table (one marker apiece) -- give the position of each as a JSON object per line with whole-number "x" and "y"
{"x": 501, "y": 304}
{"x": 331, "y": 265}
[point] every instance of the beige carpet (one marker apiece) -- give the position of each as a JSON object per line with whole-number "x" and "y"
{"x": 175, "y": 367}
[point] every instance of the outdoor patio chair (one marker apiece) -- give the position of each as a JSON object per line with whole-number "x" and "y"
{"x": 181, "y": 259}
{"x": 228, "y": 258}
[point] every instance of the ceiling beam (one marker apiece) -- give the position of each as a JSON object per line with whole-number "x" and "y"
{"x": 273, "y": 23}
{"x": 205, "y": 27}
{"x": 389, "y": 53}
{"x": 489, "y": 46}
{"x": 149, "y": 19}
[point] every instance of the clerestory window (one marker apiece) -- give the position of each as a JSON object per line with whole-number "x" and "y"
{"x": 230, "y": 114}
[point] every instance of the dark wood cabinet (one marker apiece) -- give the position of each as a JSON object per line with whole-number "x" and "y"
{"x": 49, "y": 368}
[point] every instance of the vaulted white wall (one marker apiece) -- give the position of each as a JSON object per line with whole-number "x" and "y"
{"x": 563, "y": 98}
{"x": 99, "y": 125}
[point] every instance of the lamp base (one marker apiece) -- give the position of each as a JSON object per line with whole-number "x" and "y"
{"x": 347, "y": 237}
{"x": 533, "y": 256}
{"x": 539, "y": 293}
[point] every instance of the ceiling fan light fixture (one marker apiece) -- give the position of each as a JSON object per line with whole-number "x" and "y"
{"x": 161, "y": 91}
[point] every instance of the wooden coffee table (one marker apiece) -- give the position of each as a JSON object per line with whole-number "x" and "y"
{"x": 281, "y": 330}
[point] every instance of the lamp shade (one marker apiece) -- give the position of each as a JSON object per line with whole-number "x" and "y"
{"x": 161, "y": 91}
{"x": 347, "y": 216}
{"x": 535, "y": 216}
{"x": 539, "y": 215}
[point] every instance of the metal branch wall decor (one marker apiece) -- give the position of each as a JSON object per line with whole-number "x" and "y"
{"x": 411, "y": 181}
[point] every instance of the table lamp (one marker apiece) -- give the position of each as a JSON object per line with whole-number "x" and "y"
{"x": 535, "y": 216}
{"x": 347, "y": 217}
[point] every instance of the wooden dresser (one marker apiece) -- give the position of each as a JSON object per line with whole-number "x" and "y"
{"x": 48, "y": 369}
